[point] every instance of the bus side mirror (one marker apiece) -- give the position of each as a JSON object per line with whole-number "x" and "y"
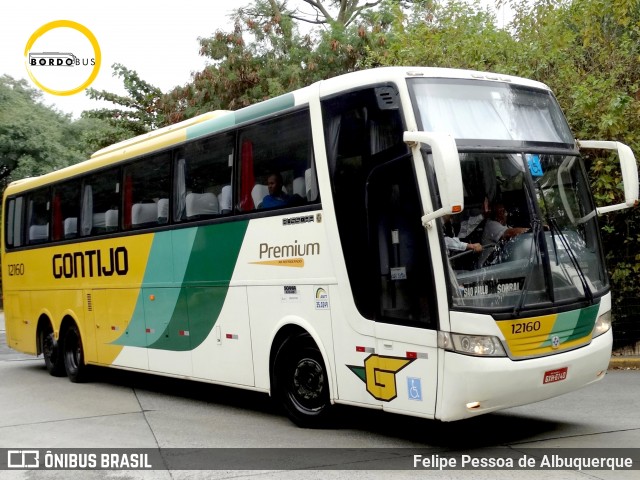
{"x": 447, "y": 168}
{"x": 629, "y": 172}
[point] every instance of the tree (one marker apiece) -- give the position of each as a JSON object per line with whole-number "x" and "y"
{"x": 341, "y": 12}
{"x": 267, "y": 55}
{"x": 33, "y": 137}
{"x": 450, "y": 34}
{"x": 136, "y": 113}
{"x": 87, "y": 135}
{"x": 587, "y": 51}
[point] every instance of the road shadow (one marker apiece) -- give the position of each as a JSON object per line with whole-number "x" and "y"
{"x": 490, "y": 430}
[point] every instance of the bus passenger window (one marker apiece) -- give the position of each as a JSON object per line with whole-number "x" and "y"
{"x": 276, "y": 164}
{"x": 13, "y": 222}
{"x": 66, "y": 210}
{"x": 202, "y": 171}
{"x": 100, "y": 203}
{"x": 146, "y": 192}
{"x": 38, "y": 217}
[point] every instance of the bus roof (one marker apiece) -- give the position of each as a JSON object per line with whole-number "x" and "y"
{"x": 159, "y": 132}
{"x": 221, "y": 119}
{"x": 399, "y": 74}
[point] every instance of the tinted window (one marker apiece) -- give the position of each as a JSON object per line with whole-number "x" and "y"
{"x": 276, "y": 164}
{"x": 203, "y": 179}
{"x": 100, "y": 203}
{"x": 66, "y": 210}
{"x": 38, "y": 216}
{"x": 146, "y": 192}
{"x": 360, "y": 135}
{"x": 13, "y": 228}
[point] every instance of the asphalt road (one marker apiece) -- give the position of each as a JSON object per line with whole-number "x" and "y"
{"x": 120, "y": 409}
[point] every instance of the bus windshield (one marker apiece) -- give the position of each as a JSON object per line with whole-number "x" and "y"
{"x": 484, "y": 110}
{"x": 527, "y": 237}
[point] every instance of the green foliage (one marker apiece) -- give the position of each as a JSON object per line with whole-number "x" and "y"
{"x": 87, "y": 135}
{"x": 136, "y": 113}
{"x": 242, "y": 72}
{"x": 34, "y": 139}
{"x": 454, "y": 34}
{"x": 266, "y": 55}
{"x": 598, "y": 84}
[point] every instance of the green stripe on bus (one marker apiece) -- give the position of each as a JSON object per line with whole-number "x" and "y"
{"x": 573, "y": 325}
{"x": 263, "y": 109}
{"x": 182, "y": 317}
{"x": 211, "y": 126}
{"x": 586, "y": 322}
{"x": 246, "y": 114}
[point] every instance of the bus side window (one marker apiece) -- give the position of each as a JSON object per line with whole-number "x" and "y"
{"x": 398, "y": 240}
{"x": 146, "y": 191}
{"x": 66, "y": 210}
{"x": 39, "y": 216}
{"x": 276, "y": 164}
{"x": 13, "y": 222}
{"x": 359, "y": 135}
{"x": 201, "y": 173}
{"x": 100, "y": 203}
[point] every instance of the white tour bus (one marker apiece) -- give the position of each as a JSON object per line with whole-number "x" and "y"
{"x": 418, "y": 240}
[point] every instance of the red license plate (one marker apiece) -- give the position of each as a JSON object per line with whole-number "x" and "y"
{"x": 555, "y": 375}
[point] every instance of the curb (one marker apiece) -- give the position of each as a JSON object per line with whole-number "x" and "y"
{"x": 625, "y": 362}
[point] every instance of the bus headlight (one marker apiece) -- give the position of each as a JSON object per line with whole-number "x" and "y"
{"x": 603, "y": 324}
{"x": 478, "y": 345}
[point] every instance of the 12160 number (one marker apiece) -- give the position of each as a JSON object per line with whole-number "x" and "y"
{"x": 525, "y": 327}
{"x": 16, "y": 269}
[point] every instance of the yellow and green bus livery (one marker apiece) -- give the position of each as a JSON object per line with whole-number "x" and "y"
{"x": 315, "y": 247}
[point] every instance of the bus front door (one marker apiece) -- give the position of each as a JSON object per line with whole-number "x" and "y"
{"x": 405, "y": 366}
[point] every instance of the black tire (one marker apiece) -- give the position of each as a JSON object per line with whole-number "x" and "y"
{"x": 73, "y": 354}
{"x": 51, "y": 352}
{"x": 301, "y": 383}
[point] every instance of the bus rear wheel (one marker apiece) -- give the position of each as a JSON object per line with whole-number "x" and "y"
{"x": 302, "y": 383}
{"x": 74, "y": 355}
{"x": 51, "y": 352}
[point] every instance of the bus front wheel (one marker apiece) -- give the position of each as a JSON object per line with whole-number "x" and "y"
{"x": 302, "y": 383}
{"x": 51, "y": 352}
{"x": 74, "y": 355}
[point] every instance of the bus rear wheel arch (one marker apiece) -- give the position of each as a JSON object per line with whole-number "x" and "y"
{"x": 73, "y": 353}
{"x": 50, "y": 348}
{"x": 300, "y": 381}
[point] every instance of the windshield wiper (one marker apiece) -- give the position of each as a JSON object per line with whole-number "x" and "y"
{"x": 536, "y": 225}
{"x": 574, "y": 261}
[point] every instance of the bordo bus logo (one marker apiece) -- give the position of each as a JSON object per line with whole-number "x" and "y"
{"x": 62, "y": 57}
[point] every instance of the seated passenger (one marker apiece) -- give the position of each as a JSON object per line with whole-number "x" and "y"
{"x": 496, "y": 228}
{"x": 276, "y": 197}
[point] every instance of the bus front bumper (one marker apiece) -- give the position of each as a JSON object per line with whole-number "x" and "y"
{"x": 474, "y": 385}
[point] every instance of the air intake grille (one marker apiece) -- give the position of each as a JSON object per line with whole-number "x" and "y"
{"x": 387, "y": 98}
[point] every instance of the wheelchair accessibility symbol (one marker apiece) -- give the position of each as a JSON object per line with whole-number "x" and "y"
{"x": 414, "y": 388}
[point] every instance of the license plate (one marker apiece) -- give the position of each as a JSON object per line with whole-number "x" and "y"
{"x": 555, "y": 375}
